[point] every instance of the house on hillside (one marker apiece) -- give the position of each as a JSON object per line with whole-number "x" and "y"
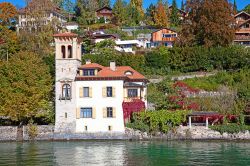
{"x": 39, "y": 13}
{"x": 98, "y": 36}
{"x": 164, "y": 36}
{"x": 91, "y": 97}
{"x": 182, "y": 14}
{"x": 242, "y": 34}
{"x": 104, "y": 13}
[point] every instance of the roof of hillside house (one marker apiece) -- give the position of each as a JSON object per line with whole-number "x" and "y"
{"x": 181, "y": 11}
{"x": 65, "y": 34}
{"x": 120, "y": 72}
{"x": 164, "y": 28}
{"x": 242, "y": 12}
{"x": 105, "y": 7}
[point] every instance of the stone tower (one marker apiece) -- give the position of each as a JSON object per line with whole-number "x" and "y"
{"x": 67, "y": 60}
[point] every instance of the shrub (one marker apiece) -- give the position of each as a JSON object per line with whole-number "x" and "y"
{"x": 32, "y": 131}
{"x": 154, "y": 121}
{"x": 231, "y": 128}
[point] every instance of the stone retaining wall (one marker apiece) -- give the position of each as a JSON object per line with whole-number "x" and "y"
{"x": 8, "y": 133}
{"x": 193, "y": 133}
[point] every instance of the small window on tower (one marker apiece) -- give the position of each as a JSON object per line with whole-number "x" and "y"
{"x": 66, "y": 115}
{"x": 63, "y": 52}
{"x": 69, "y": 51}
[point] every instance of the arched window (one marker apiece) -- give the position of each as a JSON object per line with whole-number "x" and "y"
{"x": 66, "y": 91}
{"x": 63, "y": 52}
{"x": 69, "y": 51}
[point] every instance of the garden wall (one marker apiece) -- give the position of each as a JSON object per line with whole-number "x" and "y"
{"x": 8, "y": 133}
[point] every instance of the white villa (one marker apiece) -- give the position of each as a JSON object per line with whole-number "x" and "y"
{"x": 92, "y": 97}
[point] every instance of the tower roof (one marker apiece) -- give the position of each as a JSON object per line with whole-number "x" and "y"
{"x": 65, "y": 34}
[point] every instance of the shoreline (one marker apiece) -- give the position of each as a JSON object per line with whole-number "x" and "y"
{"x": 46, "y": 133}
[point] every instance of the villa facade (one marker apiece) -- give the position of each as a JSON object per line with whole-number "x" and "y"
{"x": 242, "y": 34}
{"x": 92, "y": 97}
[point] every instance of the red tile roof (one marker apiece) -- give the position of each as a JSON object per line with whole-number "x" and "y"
{"x": 106, "y": 72}
{"x": 65, "y": 34}
{"x": 120, "y": 72}
{"x": 91, "y": 66}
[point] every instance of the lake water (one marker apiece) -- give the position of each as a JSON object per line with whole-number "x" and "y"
{"x": 125, "y": 153}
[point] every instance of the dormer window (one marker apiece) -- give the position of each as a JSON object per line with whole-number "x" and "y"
{"x": 88, "y": 72}
{"x": 128, "y": 73}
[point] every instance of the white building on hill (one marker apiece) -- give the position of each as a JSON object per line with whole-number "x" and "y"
{"x": 91, "y": 97}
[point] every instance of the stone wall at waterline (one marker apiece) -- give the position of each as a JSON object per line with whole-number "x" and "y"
{"x": 8, "y": 133}
{"x": 193, "y": 133}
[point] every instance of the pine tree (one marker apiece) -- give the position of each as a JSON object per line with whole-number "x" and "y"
{"x": 138, "y": 5}
{"x": 119, "y": 11}
{"x": 103, "y": 3}
{"x": 160, "y": 15}
{"x": 209, "y": 23}
{"x": 150, "y": 13}
{"x": 85, "y": 11}
{"x": 235, "y": 7}
{"x": 174, "y": 17}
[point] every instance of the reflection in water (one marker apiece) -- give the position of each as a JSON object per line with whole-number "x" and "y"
{"x": 125, "y": 153}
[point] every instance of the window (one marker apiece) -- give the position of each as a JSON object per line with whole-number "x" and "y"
{"x": 109, "y": 112}
{"x": 66, "y": 91}
{"x": 86, "y": 113}
{"x": 63, "y": 52}
{"x": 132, "y": 93}
{"x": 109, "y": 91}
{"x": 89, "y": 72}
{"x": 69, "y": 51}
{"x": 86, "y": 128}
{"x": 110, "y": 128}
{"x": 86, "y": 92}
{"x": 65, "y": 115}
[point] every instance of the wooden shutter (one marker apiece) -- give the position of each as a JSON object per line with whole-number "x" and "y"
{"x": 90, "y": 92}
{"x": 93, "y": 112}
{"x": 114, "y": 112}
{"x": 81, "y": 72}
{"x": 113, "y": 91}
{"x": 104, "y": 112}
{"x": 78, "y": 113}
{"x": 104, "y": 92}
{"x": 125, "y": 93}
{"x": 81, "y": 92}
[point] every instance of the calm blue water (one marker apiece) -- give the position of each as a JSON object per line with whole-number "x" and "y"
{"x": 125, "y": 153}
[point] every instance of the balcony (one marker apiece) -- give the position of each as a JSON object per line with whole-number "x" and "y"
{"x": 242, "y": 38}
{"x": 132, "y": 99}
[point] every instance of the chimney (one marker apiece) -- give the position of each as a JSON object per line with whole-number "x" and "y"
{"x": 112, "y": 65}
{"x": 88, "y": 61}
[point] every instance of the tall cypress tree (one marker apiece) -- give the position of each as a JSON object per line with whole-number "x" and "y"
{"x": 235, "y": 7}
{"x": 174, "y": 17}
{"x": 182, "y": 5}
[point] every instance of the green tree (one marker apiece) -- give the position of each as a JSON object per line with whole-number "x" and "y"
{"x": 235, "y": 7}
{"x": 138, "y": 5}
{"x": 247, "y": 8}
{"x": 174, "y": 16}
{"x": 25, "y": 87}
{"x": 209, "y": 23}
{"x": 182, "y": 5}
{"x": 103, "y": 3}
{"x": 119, "y": 11}
{"x": 85, "y": 11}
{"x": 150, "y": 13}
